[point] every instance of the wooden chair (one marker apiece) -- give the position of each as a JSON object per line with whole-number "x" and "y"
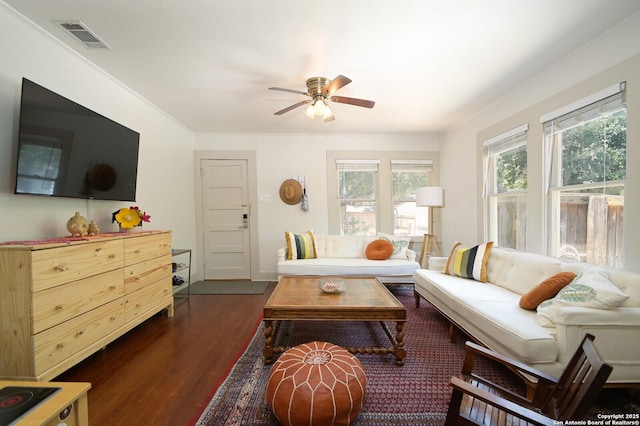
{"x": 475, "y": 400}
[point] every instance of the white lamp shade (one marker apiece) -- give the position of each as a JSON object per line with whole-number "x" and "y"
{"x": 430, "y": 196}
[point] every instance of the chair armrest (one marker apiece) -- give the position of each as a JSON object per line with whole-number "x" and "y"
{"x": 508, "y": 362}
{"x": 411, "y": 255}
{"x": 500, "y": 403}
{"x": 282, "y": 254}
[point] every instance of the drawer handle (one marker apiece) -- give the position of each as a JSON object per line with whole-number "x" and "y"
{"x": 137, "y": 251}
{"x": 138, "y": 305}
{"x": 60, "y": 307}
{"x": 112, "y": 287}
{"x": 112, "y": 256}
{"x": 99, "y": 248}
{"x": 113, "y": 318}
{"x": 61, "y": 345}
{"x": 80, "y": 333}
{"x": 62, "y": 267}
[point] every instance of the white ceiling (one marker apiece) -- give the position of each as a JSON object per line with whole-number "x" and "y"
{"x": 428, "y": 64}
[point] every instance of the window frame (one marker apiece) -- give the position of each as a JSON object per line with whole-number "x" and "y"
{"x": 385, "y": 219}
{"x": 607, "y": 101}
{"x": 507, "y": 141}
{"x": 421, "y": 213}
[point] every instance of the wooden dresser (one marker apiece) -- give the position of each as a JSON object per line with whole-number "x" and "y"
{"x": 61, "y": 300}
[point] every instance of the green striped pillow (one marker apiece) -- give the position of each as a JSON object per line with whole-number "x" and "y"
{"x": 469, "y": 262}
{"x": 300, "y": 246}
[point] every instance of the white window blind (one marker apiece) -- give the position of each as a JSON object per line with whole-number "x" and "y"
{"x": 357, "y": 165}
{"x": 586, "y": 113}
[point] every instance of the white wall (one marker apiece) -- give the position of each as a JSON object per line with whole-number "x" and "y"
{"x": 284, "y": 156}
{"x": 609, "y": 59}
{"x": 165, "y": 169}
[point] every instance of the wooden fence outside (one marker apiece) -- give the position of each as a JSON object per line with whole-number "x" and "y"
{"x": 591, "y": 227}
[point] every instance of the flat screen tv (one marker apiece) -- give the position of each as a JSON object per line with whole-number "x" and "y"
{"x": 67, "y": 150}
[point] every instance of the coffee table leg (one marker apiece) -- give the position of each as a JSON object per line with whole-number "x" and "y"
{"x": 401, "y": 352}
{"x": 267, "y": 351}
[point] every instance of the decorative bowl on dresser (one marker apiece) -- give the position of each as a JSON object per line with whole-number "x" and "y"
{"x": 62, "y": 299}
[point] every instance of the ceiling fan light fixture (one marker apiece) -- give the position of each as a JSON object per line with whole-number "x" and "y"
{"x": 320, "y": 108}
{"x": 309, "y": 112}
{"x": 319, "y": 90}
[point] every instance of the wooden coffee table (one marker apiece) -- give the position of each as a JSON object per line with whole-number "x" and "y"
{"x": 365, "y": 299}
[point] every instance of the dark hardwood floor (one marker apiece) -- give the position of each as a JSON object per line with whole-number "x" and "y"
{"x": 162, "y": 372}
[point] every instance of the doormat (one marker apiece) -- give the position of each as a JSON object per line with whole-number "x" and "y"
{"x": 227, "y": 287}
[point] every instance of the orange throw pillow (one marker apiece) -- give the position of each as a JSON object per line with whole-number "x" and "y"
{"x": 547, "y": 289}
{"x": 379, "y": 250}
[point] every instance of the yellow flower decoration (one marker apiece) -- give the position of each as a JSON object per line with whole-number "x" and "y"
{"x": 128, "y": 218}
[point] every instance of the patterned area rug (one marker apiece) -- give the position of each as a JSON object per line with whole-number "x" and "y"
{"x": 414, "y": 394}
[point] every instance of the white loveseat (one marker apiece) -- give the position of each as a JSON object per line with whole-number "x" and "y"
{"x": 345, "y": 255}
{"x": 490, "y": 313}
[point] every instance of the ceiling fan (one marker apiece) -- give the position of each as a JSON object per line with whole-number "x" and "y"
{"x": 320, "y": 91}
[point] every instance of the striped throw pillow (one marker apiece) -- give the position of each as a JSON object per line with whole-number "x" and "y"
{"x": 300, "y": 246}
{"x": 469, "y": 262}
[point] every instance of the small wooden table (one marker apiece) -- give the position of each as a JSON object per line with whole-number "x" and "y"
{"x": 68, "y": 405}
{"x": 365, "y": 299}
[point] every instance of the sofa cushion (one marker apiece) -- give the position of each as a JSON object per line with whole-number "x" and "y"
{"x": 348, "y": 266}
{"x": 522, "y": 271}
{"x": 489, "y": 313}
{"x": 400, "y": 245}
{"x": 590, "y": 289}
{"x": 379, "y": 250}
{"x": 300, "y": 246}
{"x": 469, "y": 262}
{"x": 547, "y": 289}
{"x": 343, "y": 246}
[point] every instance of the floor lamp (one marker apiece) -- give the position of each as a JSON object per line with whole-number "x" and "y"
{"x": 429, "y": 196}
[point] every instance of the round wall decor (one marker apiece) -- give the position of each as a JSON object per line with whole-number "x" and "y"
{"x": 291, "y": 191}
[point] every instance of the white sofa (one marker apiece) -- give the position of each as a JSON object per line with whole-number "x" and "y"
{"x": 345, "y": 255}
{"x": 490, "y": 313}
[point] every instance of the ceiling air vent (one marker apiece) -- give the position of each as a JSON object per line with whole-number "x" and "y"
{"x": 81, "y": 33}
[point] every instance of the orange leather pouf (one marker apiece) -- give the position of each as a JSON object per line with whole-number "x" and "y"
{"x": 316, "y": 383}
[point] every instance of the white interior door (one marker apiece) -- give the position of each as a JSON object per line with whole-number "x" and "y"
{"x": 226, "y": 219}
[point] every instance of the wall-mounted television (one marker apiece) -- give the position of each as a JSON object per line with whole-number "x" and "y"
{"x": 67, "y": 150}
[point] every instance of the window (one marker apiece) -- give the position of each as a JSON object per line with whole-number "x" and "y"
{"x": 44, "y": 159}
{"x": 586, "y": 172}
{"x": 373, "y": 192}
{"x": 406, "y": 177}
{"x": 505, "y": 188}
{"x": 357, "y": 194}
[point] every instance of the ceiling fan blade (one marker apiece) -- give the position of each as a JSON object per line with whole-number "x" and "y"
{"x": 353, "y": 101}
{"x": 288, "y": 90}
{"x": 294, "y": 106}
{"x": 337, "y": 83}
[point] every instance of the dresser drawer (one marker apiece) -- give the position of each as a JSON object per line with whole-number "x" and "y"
{"x": 55, "y": 266}
{"x": 137, "y": 249}
{"x": 58, "y": 304}
{"x": 144, "y": 273}
{"x": 56, "y": 344}
{"x": 147, "y": 298}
